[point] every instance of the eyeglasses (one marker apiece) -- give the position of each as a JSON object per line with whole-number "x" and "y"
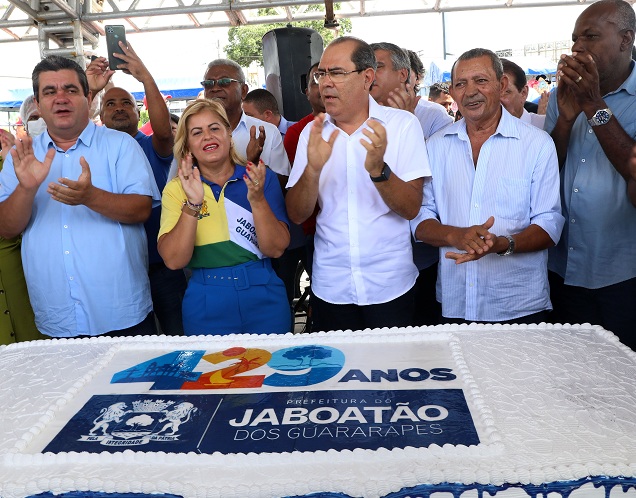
{"x": 337, "y": 75}
{"x": 222, "y": 82}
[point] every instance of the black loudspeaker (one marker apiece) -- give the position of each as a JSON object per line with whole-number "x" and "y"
{"x": 288, "y": 53}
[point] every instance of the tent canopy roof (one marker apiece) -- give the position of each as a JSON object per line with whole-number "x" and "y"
{"x": 19, "y": 20}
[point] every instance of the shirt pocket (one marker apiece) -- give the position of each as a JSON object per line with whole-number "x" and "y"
{"x": 513, "y": 199}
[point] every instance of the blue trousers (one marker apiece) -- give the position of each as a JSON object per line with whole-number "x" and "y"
{"x": 243, "y": 299}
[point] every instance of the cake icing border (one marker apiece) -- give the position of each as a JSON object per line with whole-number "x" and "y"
{"x": 418, "y": 473}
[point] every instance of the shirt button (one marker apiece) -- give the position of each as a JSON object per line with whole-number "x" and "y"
{"x": 573, "y": 220}
{"x": 6, "y": 312}
{"x": 70, "y": 278}
{"x": 66, "y": 155}
{"x": 66, "y": 252}
{"x": 590, "y": 131}
{"x": 65, "y": 226}
{"x": 476, "y": 205}
{"x": 576, "y": 189}
{"x": 582, "y": 160}
{"x": 571, "y": 248}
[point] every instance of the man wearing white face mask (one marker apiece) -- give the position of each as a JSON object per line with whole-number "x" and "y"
{"x": 34, "y": 125}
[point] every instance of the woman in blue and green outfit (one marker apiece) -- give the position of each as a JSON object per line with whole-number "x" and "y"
{"x": 224, "y": 221}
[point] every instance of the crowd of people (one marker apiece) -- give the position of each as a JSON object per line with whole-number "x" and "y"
{"x": 461, "y": 208}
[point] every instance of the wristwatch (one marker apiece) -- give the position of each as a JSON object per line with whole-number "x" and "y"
{"x": 511, "y": 246}
{"x": 384, "y": 175}
{"x": 601, "y": 117}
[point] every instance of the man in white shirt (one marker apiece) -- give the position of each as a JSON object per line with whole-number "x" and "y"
{"x": 493, "y": 206}
{"x": 516, "y": 93}
{"x": 225, "y": 81}
{"x": 365, "y": 165}
{"x": 262, "y": 104}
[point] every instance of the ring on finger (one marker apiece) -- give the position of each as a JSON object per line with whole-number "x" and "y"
{"x": 378, "y": 146}
{"x": 256, "y": 183}
{"x": 578, "y": 79}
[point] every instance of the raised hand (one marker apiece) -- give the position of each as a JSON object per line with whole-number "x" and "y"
{"x": 403, "y": 98}
{"x": 255, "y": 145}
{"x": 7, "y": 140}
{"x": 74, "y": 192}
{"x": 578, "y": 84}
{"x": 255, "y": 181}
{"x": 190, "y": 178}
{"x": 29, "y": 171}
{"x": 318, "y": 149}
{"x": 543, "y": 103}
{"x": 132, "y": 63}
{"x": 376, "y": 146}
{"x": 98, "y": 74}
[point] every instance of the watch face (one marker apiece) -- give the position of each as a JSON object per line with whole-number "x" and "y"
{"x": 602, "y": 116}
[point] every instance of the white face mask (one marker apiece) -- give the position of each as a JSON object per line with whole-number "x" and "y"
{"x": 35, "y": 128}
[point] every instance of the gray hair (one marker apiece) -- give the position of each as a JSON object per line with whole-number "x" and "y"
{"x": 474, "y": 53}
{"x": 399, "y": 58}
{"x": 362, "y": 56}
{"x": 231, "y": 63}
{"x": 623, "y": 15}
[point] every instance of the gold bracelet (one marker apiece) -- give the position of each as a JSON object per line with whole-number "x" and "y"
{"x": 189, "y": 211}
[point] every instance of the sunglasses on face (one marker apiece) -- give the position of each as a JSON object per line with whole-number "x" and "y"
{"x": 222, "y": 82}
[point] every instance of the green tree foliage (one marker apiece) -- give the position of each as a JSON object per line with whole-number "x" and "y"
{"x": 245, "y": 42}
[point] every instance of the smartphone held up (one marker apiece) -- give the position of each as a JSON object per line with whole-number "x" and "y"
{"x": 115, "y": 33}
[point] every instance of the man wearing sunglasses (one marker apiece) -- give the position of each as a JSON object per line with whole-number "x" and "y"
{"x": 225, "y": 81}
{"x": 365, "y": 165}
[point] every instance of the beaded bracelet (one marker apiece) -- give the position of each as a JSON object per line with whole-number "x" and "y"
{"x": 194, "y": 207}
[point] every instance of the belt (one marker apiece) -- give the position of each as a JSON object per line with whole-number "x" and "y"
{"x": 240, "y": 277}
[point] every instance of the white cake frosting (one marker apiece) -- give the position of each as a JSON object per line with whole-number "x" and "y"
{"x": 550, "y": 403}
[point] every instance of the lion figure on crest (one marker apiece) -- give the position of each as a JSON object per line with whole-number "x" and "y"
{"x": 180, "y": 414}
{"x": 113, "y": 413}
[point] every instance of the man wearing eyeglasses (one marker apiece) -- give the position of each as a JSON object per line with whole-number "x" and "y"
{"x": 365, "y": 166}
{"x": 225, "y": 81}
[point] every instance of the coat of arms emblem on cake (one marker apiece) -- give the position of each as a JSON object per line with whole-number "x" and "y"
{"x": 147, "y": 420}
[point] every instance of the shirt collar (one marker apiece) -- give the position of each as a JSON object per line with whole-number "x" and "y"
{"x": 242, "y": 122}
{"x": 239, "y": 171}
{"x": 85, "y": 137}
{"x": 507, "y": 127}
{"x": 629, "y": 85}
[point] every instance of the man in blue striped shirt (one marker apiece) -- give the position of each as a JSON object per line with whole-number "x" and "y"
{"x": 493, "y": 207}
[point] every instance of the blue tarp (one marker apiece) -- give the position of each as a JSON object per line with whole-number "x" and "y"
{"x": 439, "y": 70}
{"x": 13, "y": 98}
{"x": 177, "y": 88}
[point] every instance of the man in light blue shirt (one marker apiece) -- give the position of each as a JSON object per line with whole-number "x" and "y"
{"x": 84, "y": 249}
{"x": 592, "y": 119}
{"x": 493, "y": 206}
